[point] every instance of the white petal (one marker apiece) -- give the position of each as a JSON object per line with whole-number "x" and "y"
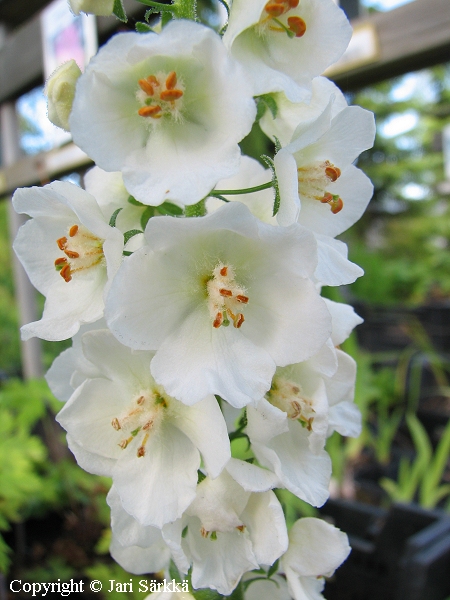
{"x": 251, "y": 477}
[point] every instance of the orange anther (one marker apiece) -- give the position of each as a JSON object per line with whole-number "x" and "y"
{"x": 297, "y": 25}
{"x": 238, "y": 320}
{"x": 115, "y": 423}
{"x": 140, "y": 400}
{"x": 60, "y": 261}
{"x": 171, "y": 80}
{"x": 152, "y": 79}
{"x": 71, "y": 254}
{"x": 146, "y": 87}
{"x": 149, "y": 111}
{"x": 241, "y": 528}
{"x": 169, "y": 95}
{"x": 327, "y": 198}
{"x": 73, "y": 230}
{"x": 224, "y": 271}
{"x": 226, "y": 293}
{"x": 337, "y": 206}
{"x": 293, "y": 3}
{"x": 140, "y": 452}
{"x": 218, "y": 320}
{"x": 332, "y": 173}
{"x": 274, "y": 9}
{"x": 62, "y": 243}
{"x": 148, "y": 425}
{"x": 241, "y": 298}
{"x": 65, "y": 273}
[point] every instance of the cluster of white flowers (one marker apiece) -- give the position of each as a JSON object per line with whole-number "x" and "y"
{"x": 192, "y": 333}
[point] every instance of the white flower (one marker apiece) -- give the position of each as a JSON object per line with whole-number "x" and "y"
{"x": 60, "y": 92}
{"x": 284, "y": 44}
{"x": 222, "y": 299}
{"x": 70, "y": 255}
{"x": 231, "y": 531}
{"x": 316, "y": 549}
{"x": 125, "y": 426}
{"x": 168, "y": 110}
{"x": 101, "y": 8}
{"x": 319, "y": 186}
{"x": 291, "y": 114}
{"x": 251, "y": 174}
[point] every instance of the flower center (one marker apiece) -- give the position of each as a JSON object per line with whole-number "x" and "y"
{"x": 313, "y": 181}
{"x": 288, "y": 397}
{"x": 82, "y": 250}
{"x": 273, "y": 18}
{"x": 160, "y": 95}
{"x": 226, "y": 298}
{"x": 144, "y": 416}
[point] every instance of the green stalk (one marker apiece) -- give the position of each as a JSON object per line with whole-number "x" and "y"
{"x": 257, "y": 188}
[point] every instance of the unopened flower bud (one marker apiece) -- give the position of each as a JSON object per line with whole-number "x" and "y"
{"x": 101, "y": 8}
{"x": 60, "y": 92}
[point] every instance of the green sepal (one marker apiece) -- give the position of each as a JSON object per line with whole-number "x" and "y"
{"x": 119, "y": 11}
{"x": 276, "y": 202}
{"x": 277, "y": 144}
{"x": 113, "y": 219}
{"x": 167, "y": 208}
{"x": 132, "y": 200}
{"x": 143, "y": 27}
{"x": 264, "y": 102}
{"x": 129, "y": 234}
{"x": 126, "y": 253}
{"x": 227, "y": 8}
{"x": 200, "y": 476}
{"x": 184, "y": 532}
{"x": 148, "y": 213}
{"x": 196, "y": 210}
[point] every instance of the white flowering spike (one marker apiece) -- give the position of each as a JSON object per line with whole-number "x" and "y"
{"x": 316, "y": 549}
{"x": 231, "y": 531}
{"x": 101, "y": 8}
{"x": 168, "y": 110}
{"x": 222, "y": 299}
{"x": 319, "y": 186}
{"x": 284, "y": 44}
{"x": 60, "y": 92}
{"x": 290, "y": 114}
{"x": 149, "y": 442}
{"x": 70, "y": 255}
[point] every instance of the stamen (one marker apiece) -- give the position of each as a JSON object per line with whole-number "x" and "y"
{"x": 333, "y": 173}
{"x": 150, "y": 111}
{"x": 171, "y": 80}
{"x": 241, "y": 298}
{"x": 241, "y": 528}
{"x": 73, "y": 230}
{"x": 218, "y": 320}
{"x": 65, "y": 273}
{"x": 274, "y": 9}
{"x": 146, "y": 87}
{"x": 297, "y": 25}
{"x": 334, "y": 200}
{"x": 226, "y": 293}
{"x": 223, "y": 271}
{"x": 115, "y": 423}
{"x": 124, "y": 443}
{"x": 167, "y": 95}
{"x": 62, "y": 243}
{"x": 71, "y": 254}
{"x": 60, "y": 261}
{"x": 148, "y": 425}
{"x": 141, "y": 450}
{"x": 293, "y": 3}
{"x": 140, "y": 400}
{"x": 203, "y": 532}
{"x": 238, "y": 320}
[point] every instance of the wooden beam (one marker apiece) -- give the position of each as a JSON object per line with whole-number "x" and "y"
{"x": 411, "y": 37}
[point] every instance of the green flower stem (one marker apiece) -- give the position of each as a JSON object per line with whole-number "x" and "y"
{"x": 257, "y": 188}
{"x": 159, "y": 5}
{"x": 196, "y": 210}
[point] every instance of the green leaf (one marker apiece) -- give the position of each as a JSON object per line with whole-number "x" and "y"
{"x": 174, "y": 573}
{"x": 143, "y": 27}
{"x": 206, "y": 595}
{"x": 167, "y": 208}
{"x": 196, "y": 210}
{"x": 264, "y": 102}
{"x": 119, "y": 11}
{"x": 113, "y": 219}
{"x": 148, "y": 213}
{"x": 273, "y": 569}
{"x": 129, "y": 234}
